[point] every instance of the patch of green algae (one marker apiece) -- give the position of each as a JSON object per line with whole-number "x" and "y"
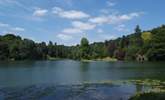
{"x": 156, "y": 85}
{"x": 155, "y": 92}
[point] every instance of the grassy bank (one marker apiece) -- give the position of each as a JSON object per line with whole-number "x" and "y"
{"x": 108, "y": 59}
{"x": 52, "y": 58}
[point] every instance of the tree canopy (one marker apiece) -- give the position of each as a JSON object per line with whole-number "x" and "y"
{"x": 149, "y": 43}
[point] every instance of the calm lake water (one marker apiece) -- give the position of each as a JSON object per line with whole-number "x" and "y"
{"x": 75, "y": 80}
{"x": 25, "y": 73}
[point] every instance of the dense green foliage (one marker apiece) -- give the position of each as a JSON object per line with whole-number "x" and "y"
{"x": 150, "y": 44}
{"x": 84, "y": 48}
{"x": 157, "y": 45}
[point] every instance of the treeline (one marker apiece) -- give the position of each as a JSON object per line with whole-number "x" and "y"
{"x": 15, "y": 48}
{"x": 149, "y": 45}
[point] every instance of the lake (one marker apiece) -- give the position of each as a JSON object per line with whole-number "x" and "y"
{"x": 69, "y": 74}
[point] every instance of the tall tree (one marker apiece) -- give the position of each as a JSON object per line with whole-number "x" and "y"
{"x": 50, "y": 49}
{"x": 138, "y": 38}
{"x": 137, "y": 30}
{"x": 84, "y": 46}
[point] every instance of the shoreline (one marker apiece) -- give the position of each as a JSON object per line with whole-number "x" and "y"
{"x": 107, "y": 59}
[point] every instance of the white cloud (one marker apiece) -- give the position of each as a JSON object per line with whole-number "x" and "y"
{"x": 9, "y": 28}
{"x": 64, "y": 37}
{"x": 129, "y": 16}
{"x": 110, "y": 3}
{"x": 121, "y": 28}
{"x": 99, "y": 20}
{"x": 40, "y": 12}
{"x": 114, "y": 19}
{"x": 100, "y": 31}
{"x": 18, "y": 29}
{"x": 71, "y": 14}
{"x": 79, "y": 27}
{"x": 83, "y": 26}
{"x": 56, "y": 10}
{"x": 4, "y": 25}
{"x": 72, "y": 30}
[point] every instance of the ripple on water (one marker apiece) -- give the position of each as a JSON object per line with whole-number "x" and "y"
{"x": 86, "y": 91}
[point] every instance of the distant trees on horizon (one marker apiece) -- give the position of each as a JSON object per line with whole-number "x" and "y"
{"x": 150, "y": 44}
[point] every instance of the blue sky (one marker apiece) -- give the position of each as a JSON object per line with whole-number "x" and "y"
{"x": 67, "y": 21}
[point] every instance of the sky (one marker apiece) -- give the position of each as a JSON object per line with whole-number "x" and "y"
{"x": 67, "y": 21}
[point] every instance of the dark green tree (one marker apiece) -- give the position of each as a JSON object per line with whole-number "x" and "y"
{"x": 51, "y": 49}
{"x": 4, "y": 51}
{"x": 138, "y": 38}
{"x": 84, "y": 46}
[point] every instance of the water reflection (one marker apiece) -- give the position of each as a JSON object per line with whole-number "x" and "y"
{"x": 84, "y": 67}
{"x": 84, "y": 71}
{"x": 73, "y": 72}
